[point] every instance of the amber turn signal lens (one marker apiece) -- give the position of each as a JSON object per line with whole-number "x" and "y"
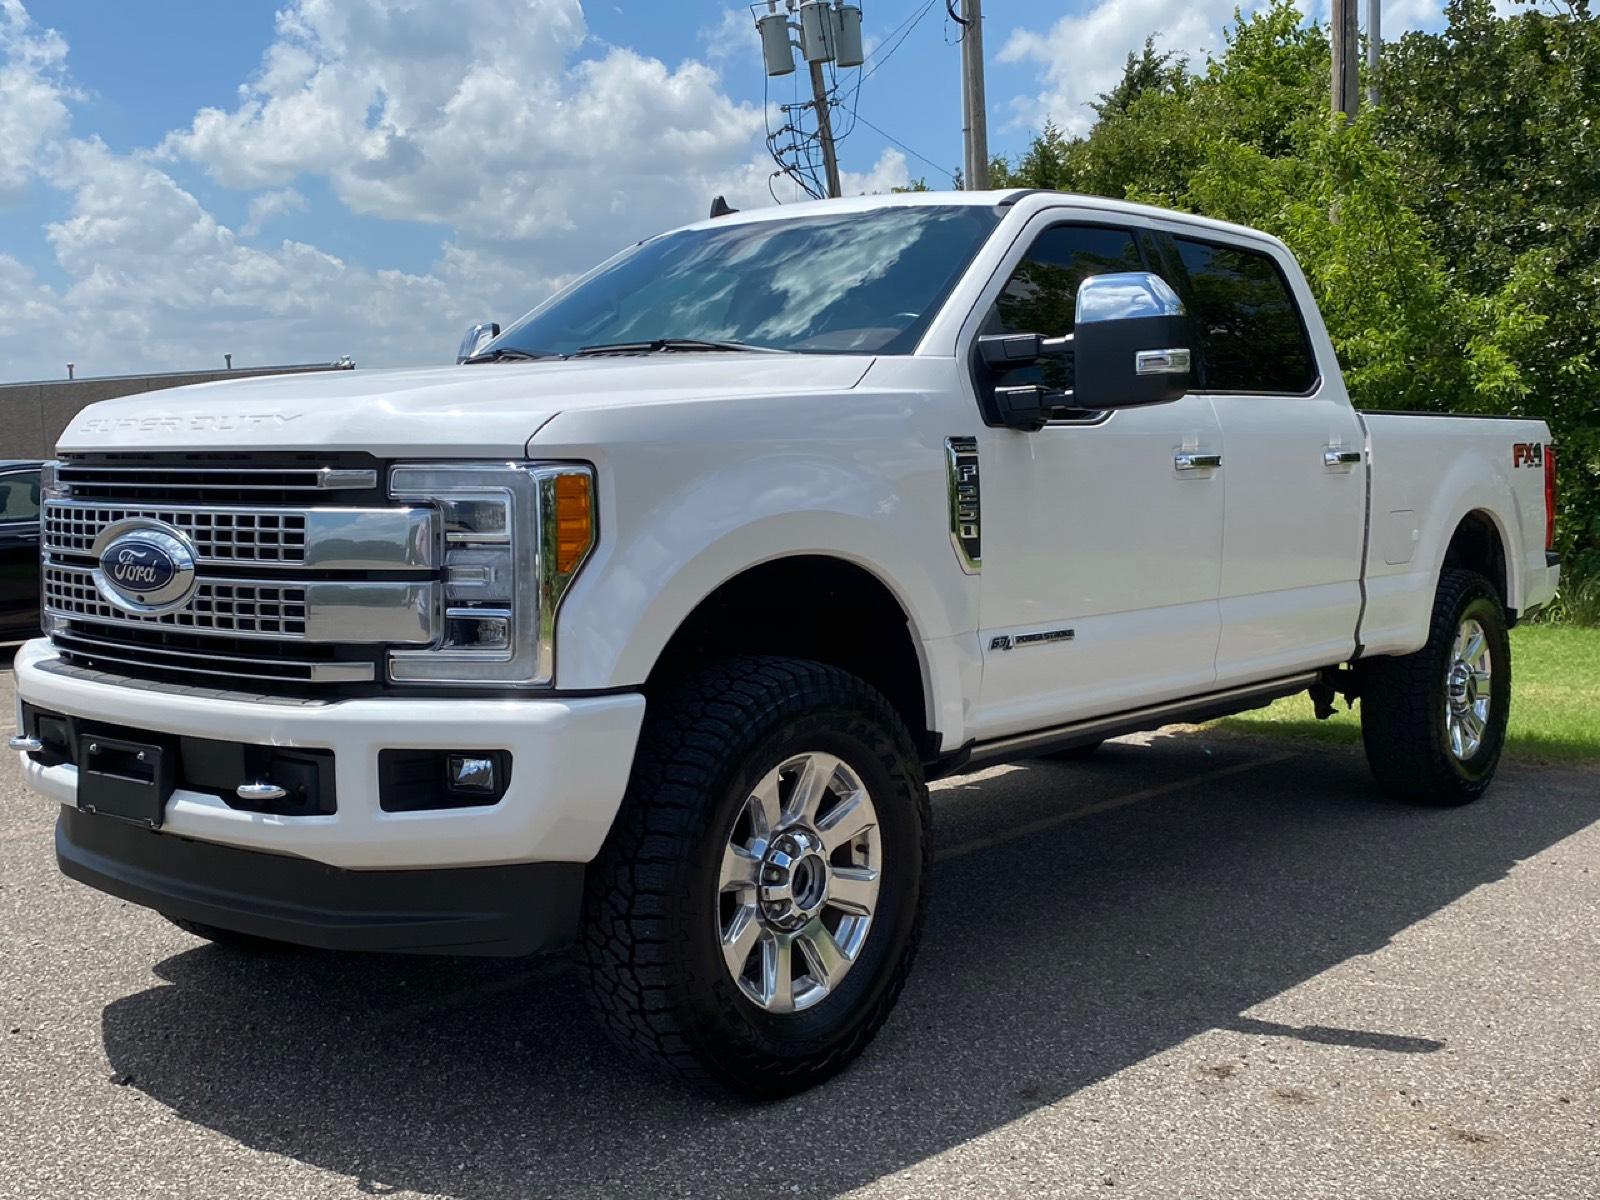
{"x": 574, "y": 520}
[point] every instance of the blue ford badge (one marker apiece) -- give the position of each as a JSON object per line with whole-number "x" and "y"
{"x": 136, "y": 567}
{"x": 145, "y": 566}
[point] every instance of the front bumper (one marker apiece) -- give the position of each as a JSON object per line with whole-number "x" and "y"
{"x": 506, "y": 910}
{"x": 571, "y": 759}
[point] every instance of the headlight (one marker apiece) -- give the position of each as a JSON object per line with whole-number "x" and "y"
{"x": 515, "y": 536}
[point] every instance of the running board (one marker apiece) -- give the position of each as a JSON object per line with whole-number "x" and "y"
{"x": 1190, "y": 710}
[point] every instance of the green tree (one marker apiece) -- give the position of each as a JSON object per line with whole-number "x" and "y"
{"x": 1452, "y": 237}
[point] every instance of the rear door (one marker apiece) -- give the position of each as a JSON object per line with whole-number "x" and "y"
{"x": 19, "y": 553}
{"x": 1294, "y": 470}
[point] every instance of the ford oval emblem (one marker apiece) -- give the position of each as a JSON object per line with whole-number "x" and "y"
{"x": 144, "y": 566}
{"x": 136, "y": 567}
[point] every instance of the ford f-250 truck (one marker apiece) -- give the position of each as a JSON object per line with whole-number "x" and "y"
{"x": 644, "y": 626}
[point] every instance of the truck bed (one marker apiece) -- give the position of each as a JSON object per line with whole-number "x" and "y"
{"x": 1429, "y": 472}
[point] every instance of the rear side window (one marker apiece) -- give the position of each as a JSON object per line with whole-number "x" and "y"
{"x": 1246, "y": 321}
{"x": 1042, "y": 294}
{"x": 19, "y": 496}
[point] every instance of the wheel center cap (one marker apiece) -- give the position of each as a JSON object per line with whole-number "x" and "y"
{"x": 794, "y": 878}
{"x": 1461, "y": 686}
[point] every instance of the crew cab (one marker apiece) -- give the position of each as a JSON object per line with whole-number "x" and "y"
{"x": 643, "y": 627}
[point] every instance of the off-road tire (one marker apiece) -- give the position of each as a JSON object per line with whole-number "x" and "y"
{"x": 649, "y": 944}
{"x": 1403, "y": 702}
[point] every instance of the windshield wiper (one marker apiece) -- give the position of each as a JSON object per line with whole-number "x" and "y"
{"x": 656, "y": 345}
{"x": 509, "y": 354}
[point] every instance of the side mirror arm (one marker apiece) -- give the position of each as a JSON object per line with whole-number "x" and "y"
{"x": 1007, "y": 351}
{"x": 1029, "y": 406}
{"x": 1023, "y": 406}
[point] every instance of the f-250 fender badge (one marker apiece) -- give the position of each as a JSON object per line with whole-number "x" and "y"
{"x": 1527, "y": 454}
{"x": 966, "y": 502}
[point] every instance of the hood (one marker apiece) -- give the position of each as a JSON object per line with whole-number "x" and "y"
{"x": 459, "y": 411}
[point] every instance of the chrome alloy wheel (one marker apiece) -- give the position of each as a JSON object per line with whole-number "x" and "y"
{"x": 1466, "y": 690}
{"x": 799, "y": 882}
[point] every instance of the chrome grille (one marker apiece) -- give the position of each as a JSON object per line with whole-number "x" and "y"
{"x": 243, "y": 608}
{"x": 306, "y": 573}
{"x": 220, "y": 483}
{"x": 139, "y": 652}
{"x": 219, "y": 535}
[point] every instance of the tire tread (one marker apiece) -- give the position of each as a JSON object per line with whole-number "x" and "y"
{"x": 635, "y": 886}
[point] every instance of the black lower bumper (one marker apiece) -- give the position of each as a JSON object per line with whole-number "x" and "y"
{"x": 504, "y": 910}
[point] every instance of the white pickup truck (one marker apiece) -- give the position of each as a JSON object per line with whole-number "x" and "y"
{"x": 644, "y": 626}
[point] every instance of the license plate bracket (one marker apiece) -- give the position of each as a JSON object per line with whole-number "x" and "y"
{"x": 129, "y": 780}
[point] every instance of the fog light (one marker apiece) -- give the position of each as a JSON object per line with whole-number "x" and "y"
{"x": 420, "y": 780}
{"x": 478, "y": 629}
{"x": 469, "y": 773}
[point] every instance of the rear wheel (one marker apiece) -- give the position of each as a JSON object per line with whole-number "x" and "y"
{"x": 1434, "y": 722}
{"x": 755, "y": 911}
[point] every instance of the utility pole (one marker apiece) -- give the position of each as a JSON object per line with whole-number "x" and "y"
{"x": 830, "y": 32}
{"x": 974, "y": 108}
{"x": 1346, "y": 44}
{"x": 830, "y": 161}
{"x": 1374, "y": 48}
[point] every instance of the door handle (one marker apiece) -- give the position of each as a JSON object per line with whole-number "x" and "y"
{"x": 1333, "y": 457}
{"x": 1189, "y": 460}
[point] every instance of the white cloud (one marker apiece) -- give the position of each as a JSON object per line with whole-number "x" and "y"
{"x": 534, "y": 160}
{"x": 735, "y": 33}
{"x": 158, "y": 282}
{"x": 1082, "y": 55}
{"x": 33, "y": 96}
{"x": 475, "y": 116}
{"x": 270, "y": 205}
{"x": 888, "y": 173}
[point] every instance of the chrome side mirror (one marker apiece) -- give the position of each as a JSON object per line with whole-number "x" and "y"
{"x": 479, "y": 336}
{"x": 1131, "y": 343}
{"x": 1129, "y": 347}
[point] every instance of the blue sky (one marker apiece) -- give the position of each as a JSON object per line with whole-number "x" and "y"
{"x": 296, "y": 179}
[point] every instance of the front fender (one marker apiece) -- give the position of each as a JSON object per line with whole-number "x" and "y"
{"x": 676, "y": 526}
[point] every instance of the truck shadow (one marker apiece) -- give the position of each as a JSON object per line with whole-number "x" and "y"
{"x": 1052, "y": 959}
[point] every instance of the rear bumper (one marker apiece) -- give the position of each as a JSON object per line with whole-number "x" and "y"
{"x": 501, "y": 910}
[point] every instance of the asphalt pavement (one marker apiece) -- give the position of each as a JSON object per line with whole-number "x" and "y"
{"x": 1197, "y": 966}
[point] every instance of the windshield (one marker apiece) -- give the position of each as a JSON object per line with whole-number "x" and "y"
{"x": 847, "y": 283}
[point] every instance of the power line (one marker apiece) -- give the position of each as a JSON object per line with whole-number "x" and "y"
{"x": 946, "y": 171}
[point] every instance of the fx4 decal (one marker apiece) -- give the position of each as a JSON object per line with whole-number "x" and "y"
{"x": 1527, "y": 454}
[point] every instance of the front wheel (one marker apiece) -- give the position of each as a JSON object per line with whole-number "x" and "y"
{"x": 754, "y": 913}
{"x": 1434, "y": 722}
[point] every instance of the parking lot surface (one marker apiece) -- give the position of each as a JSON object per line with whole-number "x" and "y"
{"x": 1197, "y": 966}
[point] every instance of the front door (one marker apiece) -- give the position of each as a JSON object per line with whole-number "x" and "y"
{"x": 1102, "y": 536}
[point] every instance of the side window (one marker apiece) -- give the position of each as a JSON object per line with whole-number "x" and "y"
{"x": 19, "y": 496}
{"x": 1251, "y": 337}
{"x": 1042, "y": 294}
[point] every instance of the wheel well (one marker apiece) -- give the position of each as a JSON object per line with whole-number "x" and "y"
{"x": 808, "y": 606}
{"x": 1476, "y": 546}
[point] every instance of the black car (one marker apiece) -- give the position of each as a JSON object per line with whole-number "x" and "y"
{"x": 19, "y": 550}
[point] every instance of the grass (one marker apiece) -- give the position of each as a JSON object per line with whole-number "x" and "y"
{"x": 1555, "y": 700}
